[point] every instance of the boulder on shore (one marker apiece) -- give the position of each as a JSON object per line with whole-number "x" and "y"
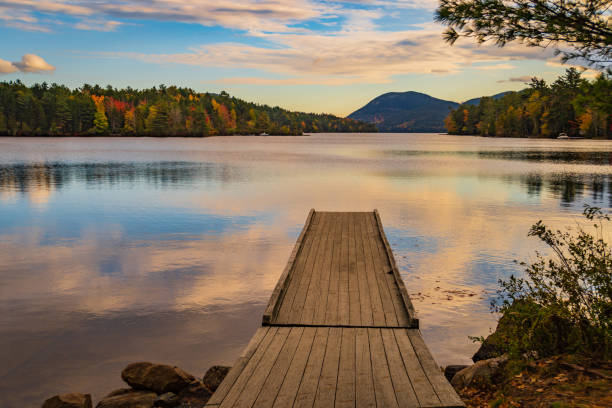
{"x": 481, "y": 372}
{"x": 128, "y": 398}
{"x": 451, "y": 370}
{"x": 167, "y": 400}
{"x": 159, "y": 378}
{"x": 195, "y": 395}
{"x": 214, "y": 376}
{"x": 72, "y": 400}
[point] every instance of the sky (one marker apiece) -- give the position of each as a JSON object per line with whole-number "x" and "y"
{"x": 307, "y": 55}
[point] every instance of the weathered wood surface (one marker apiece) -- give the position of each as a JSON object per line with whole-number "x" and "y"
{"x": 340, "y": 329}
{"x": 342, "y": 274}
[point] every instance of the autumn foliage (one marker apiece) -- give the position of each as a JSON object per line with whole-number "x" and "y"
{"x": 44, "y": 109}
{"x": 571, "y": 104}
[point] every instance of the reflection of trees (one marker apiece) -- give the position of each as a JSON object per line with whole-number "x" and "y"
{"x": 533, "y": 182}
{"x": 584, "y": 157}
{"x": 51, "y": 176}
{"x": 570, "y": 187}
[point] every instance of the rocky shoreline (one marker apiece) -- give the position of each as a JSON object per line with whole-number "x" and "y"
{"x": 499, "y": 379}
{"x": 151, "y": 385}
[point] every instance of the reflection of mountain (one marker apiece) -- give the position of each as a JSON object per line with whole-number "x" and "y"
{"x": 51, "y": 176}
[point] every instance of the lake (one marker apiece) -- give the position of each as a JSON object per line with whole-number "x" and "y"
{"x": 116, "y": 250}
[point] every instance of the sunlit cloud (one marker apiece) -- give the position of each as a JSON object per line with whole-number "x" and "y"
{"x": 524, "y": 79}
{"x": 495, "y": 67}
{"x": 295, "y": 42}
{"x": 30, "y": 63}
{"x": 248, "y": 15}
{"x": 97, "y": 25}
{"x": 350, "y": 56}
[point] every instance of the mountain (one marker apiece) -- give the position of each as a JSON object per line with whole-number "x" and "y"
{"x": 405, "y": 112}
{"x": 476, "y": 101}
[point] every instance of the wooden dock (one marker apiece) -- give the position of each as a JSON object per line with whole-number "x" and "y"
{"x": 339, "y": 330}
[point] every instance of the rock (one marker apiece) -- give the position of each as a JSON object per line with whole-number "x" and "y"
{"x": 488, "y": 349}
{"x": 214, "y": 376}
{"x": 128, "y": 398}
{"x": 195, "y": 395}
{"x": 167, "y": 400}
{"x": 481, "y": 372}
{"x": 159, "y": 378}
{"x": 119, "y": 392}
{"x": 73, "y": 400}
{"x": 451, "y": 370}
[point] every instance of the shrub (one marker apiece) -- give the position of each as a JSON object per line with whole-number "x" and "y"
{"x": 562, "y": 304}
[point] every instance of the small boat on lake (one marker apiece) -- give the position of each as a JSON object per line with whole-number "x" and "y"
{"x": 563, "y": 135}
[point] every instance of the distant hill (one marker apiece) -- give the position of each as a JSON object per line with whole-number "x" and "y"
{"x": 405, "y": 112}
{"x": 476, "y": 101}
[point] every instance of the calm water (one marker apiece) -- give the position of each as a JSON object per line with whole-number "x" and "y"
{"x": 121, "y": 250}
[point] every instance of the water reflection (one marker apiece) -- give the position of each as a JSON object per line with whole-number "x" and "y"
{"x": 568, "y": 187}
{"x": 53, "y": 176}
{"x": 40, "y": 179}
{"x": 167, "y": 250}
{"x": 552, "y": 156}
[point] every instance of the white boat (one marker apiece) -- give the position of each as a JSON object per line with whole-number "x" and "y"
{"x": 264, "y": 134}
{"x": 563, "y": 135}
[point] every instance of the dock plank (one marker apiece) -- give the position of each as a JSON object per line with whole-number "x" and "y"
{"x": 271, "y": 387}
{"x": 261, "y": 373}
{"x": 323, "y": 295}
{"x": 422, "y": 387}
{"x": 383, "y": 387}
{"x": 326, "y": 391}
{"x": 288, "y": 295}
{"x": 345, "y": 390}
{"x": 380, "y": 270}
{"x": 313, "y": 292}
{"x": 353, "y": 278}
{"x": 446, "y": 393}
{"x": 365, "y": 302}
{"x": 399, "y": 376}
{"x": 293, "y": 379}
{"x": 245, "y": 374}
{"x": 331, "y": 316}
{"x": 343, "y": 287}
{"x": 378, "y": 314}
{"x": 238, "y": 366}
{"x": 310, "y": 382}
{"x": 365, "y": 397}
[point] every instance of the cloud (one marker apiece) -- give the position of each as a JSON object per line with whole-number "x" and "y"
{"x": 523, "y": 79}
{"x": 349, "y": 56}
{"x": 249, "y": 15}
{"x": 7, "y": 67}
{"x": 28, "y": 27}
{"x": 350, "y": 43}
{"x": 495, "y": 67}
{"x": 97, "y": 25}
{"x": 21, "y": 20}
{"x": 29, "y": 63}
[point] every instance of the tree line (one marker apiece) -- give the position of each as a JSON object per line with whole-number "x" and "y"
{"x": 56, "y": 110}
{"x": 571, "y": 105}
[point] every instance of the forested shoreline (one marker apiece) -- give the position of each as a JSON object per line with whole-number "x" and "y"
{"x": 56, "y": 110}
{"x": 571, "y": 105}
